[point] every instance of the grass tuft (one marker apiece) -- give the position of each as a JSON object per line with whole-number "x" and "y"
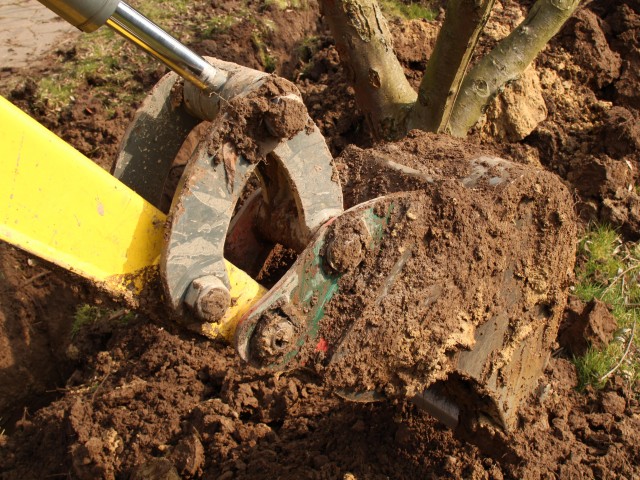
{"x": 87, "y": 315}
{"x": 109, "y": 63}
{"x": 407, "y": 11}
{"x": 594, "y": 365}
{"x": 287, "y": 4}
{"x": 609, "y": 270}
{"x": 269, "y": 62}
{"x": 220, "y": 24}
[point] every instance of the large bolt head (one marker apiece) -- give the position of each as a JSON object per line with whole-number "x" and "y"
{"x": 208, "y": 298}
{"x": 274, "y": 336}
{"x": 344, "y": 252}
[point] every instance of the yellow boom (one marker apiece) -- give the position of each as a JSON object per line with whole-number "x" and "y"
{"x": 57, "y": 204}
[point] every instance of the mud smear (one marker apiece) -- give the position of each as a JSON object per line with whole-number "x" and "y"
{"x": 274, "y": 110}
{"x": 476, "y": 258}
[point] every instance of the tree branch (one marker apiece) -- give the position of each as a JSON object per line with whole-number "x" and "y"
{"x": 463, "y": 22}
{"x": 366, "y": 52}
{"x": 507, "y": 61}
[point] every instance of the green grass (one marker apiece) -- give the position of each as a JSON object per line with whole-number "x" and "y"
{"x": 159, "y": 10}
{"x": 287, "y": 4}
{"x": 220, "y": 24}
{"x": 269, "y": 62}
{"x": 108, "y": 68}
{"x": 305, "y": 51}
{"x": 407, "y": 11}
{"x": 102, "y": 59}
{"x": 87, "y": 315}
{"x": 109, "y": 63}
{"x": 608, "y": 270}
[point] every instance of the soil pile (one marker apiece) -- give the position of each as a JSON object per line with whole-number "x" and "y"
{"x": 478, "y": 243}
{"x": 154, "y": 394}
{"x": 591, "y": 136}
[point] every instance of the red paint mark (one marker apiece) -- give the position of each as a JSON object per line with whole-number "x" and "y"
{"x": 322, "y": 345}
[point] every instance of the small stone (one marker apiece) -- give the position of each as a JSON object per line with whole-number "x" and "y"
{"x": 226, "y": 476}
{"x": 451, "y": 461}
{"x": 188, "y": 455}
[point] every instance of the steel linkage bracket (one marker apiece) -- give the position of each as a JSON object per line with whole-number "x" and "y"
{"x": 300, "y": 188}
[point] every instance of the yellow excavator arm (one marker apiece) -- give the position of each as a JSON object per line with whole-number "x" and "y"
{"x": 58, "y": 205}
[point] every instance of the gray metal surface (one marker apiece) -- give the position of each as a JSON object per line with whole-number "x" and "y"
{"x": 153, "y": 140}
{"x": 296, "y": 206}
{"x": 200, "y": 217}
{"x": 86, "y": 15}
{"x": 138, "y": 29}
{"x": 165, "y": 119}
{"x": 300, "y": 193}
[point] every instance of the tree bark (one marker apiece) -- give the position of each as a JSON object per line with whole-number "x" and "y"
{"x": 507, "y": 61}
{"x": 366, "y": 52}
{"x": 463, "y": 22}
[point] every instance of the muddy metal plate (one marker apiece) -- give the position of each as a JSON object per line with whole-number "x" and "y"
{"x": 153, "y": 140}
{"x": 300, "y": 185}
{"x": 287, "y": 318}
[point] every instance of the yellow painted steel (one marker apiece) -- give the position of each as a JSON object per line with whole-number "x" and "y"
{"x": 245, "y": 292}
{"x": 60, "y": 206}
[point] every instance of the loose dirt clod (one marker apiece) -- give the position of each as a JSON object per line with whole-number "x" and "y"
{"x": 585, "y": 326}
{"x": 272, "y": 110}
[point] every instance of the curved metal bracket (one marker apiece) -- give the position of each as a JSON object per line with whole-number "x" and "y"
{"x": 300, "y": 183}
{"x": 153, "y": 139}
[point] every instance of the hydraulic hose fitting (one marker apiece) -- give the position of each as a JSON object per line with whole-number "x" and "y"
{"x": 86, "y": 15}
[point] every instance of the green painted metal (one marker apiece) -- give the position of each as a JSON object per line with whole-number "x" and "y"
{"x": 306, "y": 289}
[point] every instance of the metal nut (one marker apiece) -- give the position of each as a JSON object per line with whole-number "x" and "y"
{"x": 344, "y": 252}
{"x": 273, "y": 337}
{"x": 208, "y": 298}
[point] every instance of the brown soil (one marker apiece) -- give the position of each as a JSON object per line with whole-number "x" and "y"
{"x": 401, "y": 318}
{"x": 265, "y": 112}
{"x": 123, "y": 400}
{"x": 585, "y": 325}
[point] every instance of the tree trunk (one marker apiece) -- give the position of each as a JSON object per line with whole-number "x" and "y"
{"x": 364, "y": 43}
{"x": 507, "y": 61}
{"x": 464, "y": 20}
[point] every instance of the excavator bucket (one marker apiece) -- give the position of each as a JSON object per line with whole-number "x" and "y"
{"x": 449, "y": 294}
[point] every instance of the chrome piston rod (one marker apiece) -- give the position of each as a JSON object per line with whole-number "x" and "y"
{"x": 88, "y": 15}
{"x": 135, "y": 27}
